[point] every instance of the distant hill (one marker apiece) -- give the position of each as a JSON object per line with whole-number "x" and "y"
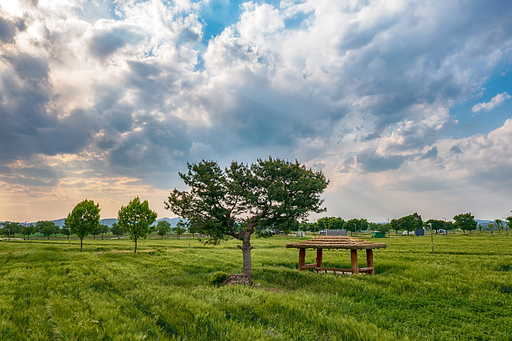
{"x": 110, "y": 221}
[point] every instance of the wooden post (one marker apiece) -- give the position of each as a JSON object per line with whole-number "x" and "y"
{"x": 302, "y": 258}
{"x": 369, "y": 261}
{"x": 353, "y": 259}
{"x": 319, "y": 258}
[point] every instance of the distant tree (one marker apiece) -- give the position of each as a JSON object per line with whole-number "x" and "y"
{"x": 29, "y": 230}
{"x": 96, "y": 232}
{"x": 395, "y": 225}
{"x": 509, "y": 223}
{"x": 330, "y": 223}
{"x": 116, "y": 230}
{"x": 436, "y": 224}
{"x": 46, "y": 228}
{"x": 499, "y": 224}
{"x": 465, "y": 222}
{"x": 267, "y": 193}
{"x": 11, "y": 228}
{"x": 180, "y": 229}
{"x": 192, "y": 228}
{"x": 354, "y": 225}
{"x": 383, "y": 227}
{"x": 410, "y": 223}
{"x": 84, "y": 219}
{"x": 351, "y": 225}
{"x": 449, "y": 226}
{"x": 136, "y": 219}
{"x": 163, "y": 228}
{"x": 104, "y": 229}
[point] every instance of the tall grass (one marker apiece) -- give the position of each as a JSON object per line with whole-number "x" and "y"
{"x": 49, "y": 290}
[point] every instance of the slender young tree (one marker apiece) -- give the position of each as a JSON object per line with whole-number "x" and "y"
{"x": 136, "y": 219}
{"x": 499, "y": 224}
{"x": 84, "y": 219}
{"x": 266, "y": 193}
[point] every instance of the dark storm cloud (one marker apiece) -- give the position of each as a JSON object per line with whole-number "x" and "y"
{"x": 373, "y": 163}
{"x": 152, "y": 148}
{"x": 26, "y": 126}
{"x": 7, "y": 31}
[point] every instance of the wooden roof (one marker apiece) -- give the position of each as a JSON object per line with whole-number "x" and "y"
{"x": 336, "y": 242}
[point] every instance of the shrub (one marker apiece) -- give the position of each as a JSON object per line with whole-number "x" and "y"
{"x": 218, "y": 278}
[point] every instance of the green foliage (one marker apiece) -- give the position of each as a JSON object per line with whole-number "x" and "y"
{"x": 163, "y": 227}
{"x": 436, "y": 224}
{"x": 465, "y": 222}
{"x": 116, "y": 230}
{"x": 218, "y": 278}
{"x": 354, "y": 225}
{"x": 83, "y": 219}
{"x": 11, "y": 228}
{"x": 47, "y": 228}
{"x": 136, "y": 219}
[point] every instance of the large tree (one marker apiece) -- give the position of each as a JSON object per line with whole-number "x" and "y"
{"x": 84, "y": 219}
{"x": 136, "y": 219}
{"x": 266, "y": 193}
{"x": 465, "y": 222}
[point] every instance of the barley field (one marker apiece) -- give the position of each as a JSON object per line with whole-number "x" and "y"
{"x": 51, "y": 291}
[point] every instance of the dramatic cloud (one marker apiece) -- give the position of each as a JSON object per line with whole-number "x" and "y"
{"x": 110, "y": 99}
{"x": 495, "y": 101}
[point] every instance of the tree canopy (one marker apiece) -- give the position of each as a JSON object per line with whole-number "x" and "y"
{"x": 266, "y": 193}
{"x": 136, "y": 219}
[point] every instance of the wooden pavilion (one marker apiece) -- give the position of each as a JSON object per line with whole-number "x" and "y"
{"x": 337, "y": 243}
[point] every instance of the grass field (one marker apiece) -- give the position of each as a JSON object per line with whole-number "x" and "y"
{"x": 51, "y": 291}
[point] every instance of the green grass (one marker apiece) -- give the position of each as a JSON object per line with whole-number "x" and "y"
{"x": 51, "y": 291}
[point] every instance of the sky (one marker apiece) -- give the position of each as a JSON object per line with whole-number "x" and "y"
{"x": 406, "y": 106}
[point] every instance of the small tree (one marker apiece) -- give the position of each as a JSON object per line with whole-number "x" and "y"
{"x": 84, "y": 219}
{"x": 509, "y": 223}
{"x": 136, "y": 219}
{"x": 116, "y": 230}
{"x": 163, "y": 228}
{"x": 465, "y": 222}
{"x": 499, "y": 224}
{"x": 266, "y": 193}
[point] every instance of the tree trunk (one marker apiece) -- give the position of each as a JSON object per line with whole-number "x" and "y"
{"x": 135, "y": 246}
{"x": 81, "y": 244}
{"x": 246, "y": 251}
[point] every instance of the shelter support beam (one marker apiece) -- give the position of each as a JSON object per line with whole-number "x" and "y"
{"x": 353, "y": 260}
{"x": 302, "y": 258}
{"x": 319, "y": 258}
{"x": 369, "y": 261}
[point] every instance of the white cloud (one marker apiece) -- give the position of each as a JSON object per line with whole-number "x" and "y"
{"x": 494, "y": 102}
